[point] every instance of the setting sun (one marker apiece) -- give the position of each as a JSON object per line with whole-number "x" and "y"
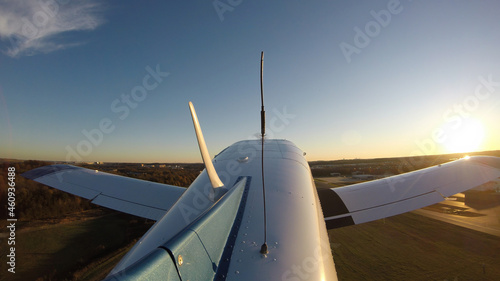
{"x": 467, "y": 136}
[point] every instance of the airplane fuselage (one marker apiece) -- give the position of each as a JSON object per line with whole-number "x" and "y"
{"x": 297, "y": 239}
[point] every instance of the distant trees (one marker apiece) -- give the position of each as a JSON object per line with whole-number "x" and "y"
{"x": 36, "y": 201}
{"x": 381, "y": 166}
{"x": 179, "y": 177}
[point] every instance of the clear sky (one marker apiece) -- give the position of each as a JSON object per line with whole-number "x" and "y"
{"x": 111, "y": 80}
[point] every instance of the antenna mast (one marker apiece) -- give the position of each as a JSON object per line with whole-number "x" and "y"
{"x": 263, "y": 248}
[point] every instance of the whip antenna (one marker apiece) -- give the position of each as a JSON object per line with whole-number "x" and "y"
{"x": 263, "y": 248}
{"x": 262, "y": 111}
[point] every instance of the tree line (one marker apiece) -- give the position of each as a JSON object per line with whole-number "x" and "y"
{"x": 35, "y": 201}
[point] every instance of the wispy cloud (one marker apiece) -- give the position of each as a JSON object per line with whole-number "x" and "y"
{"x": 33, "y": 26}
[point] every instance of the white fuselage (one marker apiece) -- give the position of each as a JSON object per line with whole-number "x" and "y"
{"x": 297, "y": 239}
{"x": 299, "y": 248}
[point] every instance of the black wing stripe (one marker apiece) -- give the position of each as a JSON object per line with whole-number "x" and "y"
{"x": 339, "y": 222}
{"x": 331, "y": 203}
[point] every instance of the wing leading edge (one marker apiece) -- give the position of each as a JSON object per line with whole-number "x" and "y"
{"x": 133, "y": 196}
{"x": 364, "y": 202}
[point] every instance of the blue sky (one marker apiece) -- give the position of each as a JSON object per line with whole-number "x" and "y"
{"x": 342, "y": 79}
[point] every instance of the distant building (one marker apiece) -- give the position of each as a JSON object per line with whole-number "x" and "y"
{"x": 363, "y": 177}
{"x": 359, "y": 176}
{"x": 161, "y": 166}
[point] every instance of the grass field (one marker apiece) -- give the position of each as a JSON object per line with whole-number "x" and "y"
{"x": 59, "y": 251}
{"x": 413, "y": 247}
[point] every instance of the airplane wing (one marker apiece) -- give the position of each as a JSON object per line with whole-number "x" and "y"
{"x": 133, "y": 196}
{"x": 368, "y": 201}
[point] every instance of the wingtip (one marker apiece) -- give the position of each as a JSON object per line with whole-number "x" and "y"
{"x": 46, "y": 170}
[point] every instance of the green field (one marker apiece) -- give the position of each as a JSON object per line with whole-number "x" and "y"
{"x": 413, "y": 247}
{"x": 56, "y": 251}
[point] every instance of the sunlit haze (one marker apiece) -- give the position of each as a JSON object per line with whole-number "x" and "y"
{"x": 111, "y": 80}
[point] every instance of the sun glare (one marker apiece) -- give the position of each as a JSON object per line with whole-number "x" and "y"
{"x": 466, "y": 136}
